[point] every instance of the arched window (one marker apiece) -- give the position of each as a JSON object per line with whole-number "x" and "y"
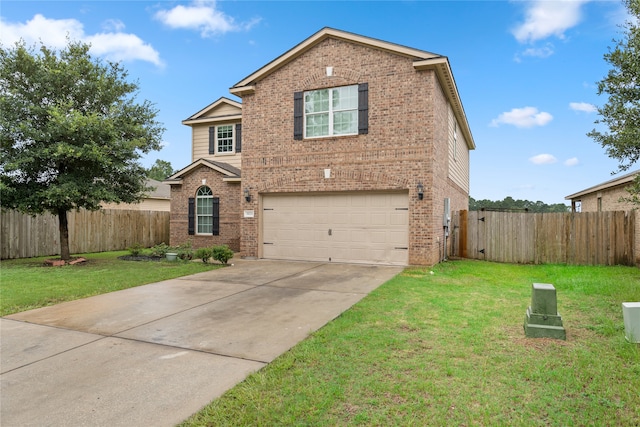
{"x": 204, "y": 213}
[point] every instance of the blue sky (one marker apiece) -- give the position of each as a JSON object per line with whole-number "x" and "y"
{"x": 526, "y": 71}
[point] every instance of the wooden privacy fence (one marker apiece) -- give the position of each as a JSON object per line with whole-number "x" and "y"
{"x": 24, "y": 236}
{"x": 587, "y": 238}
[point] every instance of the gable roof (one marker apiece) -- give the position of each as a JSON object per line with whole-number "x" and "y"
{"x": 230, "y": 173}
{"x": 223, "y": 109}
{"x": 621, "y": 180}
{"x": 244, "y": 85}
{"x": 422, "y": 60}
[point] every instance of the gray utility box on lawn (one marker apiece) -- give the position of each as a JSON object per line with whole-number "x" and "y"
{"x": 542, "y": 319}
{"x": 631, "y": 316}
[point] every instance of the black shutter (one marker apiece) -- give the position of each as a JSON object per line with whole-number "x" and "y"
{"x": 363, "y": 108}
{"x": 298, "y": 115}
{"x": 216, "y": 216}
{"x": 212, "y": 140}
{"x": 238, "y": 138}
{"x": 192, "y": 216}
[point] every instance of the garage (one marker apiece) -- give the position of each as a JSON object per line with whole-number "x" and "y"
{"x": 362, "y": 227}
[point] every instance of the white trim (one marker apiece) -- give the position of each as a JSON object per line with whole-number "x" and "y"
{"x": 216, "y": 146}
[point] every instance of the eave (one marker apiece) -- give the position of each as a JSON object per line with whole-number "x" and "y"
{"x": 607, "y": 185}
{"x": 230, "y": 173}
{"x": 247, "y": 85}
{"x": 216, "y": 119}
{"x": 198, "y": 117}
{"x": 445, "y": 76}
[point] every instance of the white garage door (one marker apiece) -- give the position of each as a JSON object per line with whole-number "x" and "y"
{"x": 345, "y": 227}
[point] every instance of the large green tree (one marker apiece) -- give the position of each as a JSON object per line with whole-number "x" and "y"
{"x": 160, "y": 170}
{"x": 621, "y": 114}
{"x": 71, "y": 132}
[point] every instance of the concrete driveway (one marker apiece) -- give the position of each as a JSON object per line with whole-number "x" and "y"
{"x": 156, "y": 354}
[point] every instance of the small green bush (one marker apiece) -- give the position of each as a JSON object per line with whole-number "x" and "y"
{"x": 135, "y": 249}
{"x": 184, "y": 251}
{"x": 222, "y": 253}
{"x": 204, "y": 254}
{"x": 160, "y": 250}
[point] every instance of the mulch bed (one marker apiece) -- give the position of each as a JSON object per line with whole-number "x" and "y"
{"x": 59, "y": 262}
{"x": 140, "y": 258}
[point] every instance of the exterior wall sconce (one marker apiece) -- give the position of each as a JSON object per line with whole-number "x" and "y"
{"x": 247, "y": 196}
{"x": 420, "y": 191}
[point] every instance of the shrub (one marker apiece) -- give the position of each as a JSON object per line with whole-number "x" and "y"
{"x": 160, "y": 250}
{"x": 222, "y": 253}
{"x": 135, "y": 249}
{"x": 204, "y": 254}
{"x": 184, "y": 251}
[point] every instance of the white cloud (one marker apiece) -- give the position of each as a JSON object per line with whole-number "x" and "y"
{"x": 548, "y": 18}
{"x": 201, "y": 15}
{"x": 539, "y": 52}
{"x": 54, "y": 33}
{"x": 123, "y": 47}
{"x": 543, "y": 159}
{"x": 523, "y": 118}
{"x": 583, "y": 106}
{"x": 113, "y": 25}
{"x": 571, "y": 162}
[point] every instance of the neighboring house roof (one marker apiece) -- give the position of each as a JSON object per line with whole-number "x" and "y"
{"x": 621, "y": 180}
{"x": 230, "y": 173}
{"x": 160, "y": 190}
{"x": 422, "y": 60}
{"x": 223, "y": 109}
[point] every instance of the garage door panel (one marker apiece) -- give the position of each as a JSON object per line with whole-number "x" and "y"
{"x": 399, "y": 218}
{"x": 345, "y": 227}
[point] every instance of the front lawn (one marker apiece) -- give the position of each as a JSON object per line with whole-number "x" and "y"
{"x": 448, "y": 348}
{"x": 28, "y": 283}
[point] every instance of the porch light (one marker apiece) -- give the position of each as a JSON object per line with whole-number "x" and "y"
{"x": 247, "y": 196}
{"x": 420, "y": 191}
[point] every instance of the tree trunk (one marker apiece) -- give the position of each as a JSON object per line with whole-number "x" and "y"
{"x": 63, "y": 227}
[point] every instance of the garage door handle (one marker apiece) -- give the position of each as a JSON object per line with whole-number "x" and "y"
{"x": 400, "y": 248}
{"x": 329, "y": 232}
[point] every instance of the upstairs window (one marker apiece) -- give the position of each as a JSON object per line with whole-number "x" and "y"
{"x": 331, "y": 112}
{"x": 225, "y": 139}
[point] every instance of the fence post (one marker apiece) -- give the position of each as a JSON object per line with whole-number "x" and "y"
{"x": 464, "y": 226}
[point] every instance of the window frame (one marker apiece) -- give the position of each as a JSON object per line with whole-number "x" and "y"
{"x": 231, "y": 137}
{"x": 331, "y": 112}
{"x": 200, "y": 216}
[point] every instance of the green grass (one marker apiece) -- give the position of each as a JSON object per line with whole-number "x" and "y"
{"x": 28, "y": 283}
{"x": 449, "y": 349}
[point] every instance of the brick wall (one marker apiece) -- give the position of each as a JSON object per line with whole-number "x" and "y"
{"x": 406, "y": 144}
{"x": 610, "y": 200}
{"x": 229, "y": 194}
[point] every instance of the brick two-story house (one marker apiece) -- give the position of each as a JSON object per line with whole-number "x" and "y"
{"x": 343, "y": 149}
